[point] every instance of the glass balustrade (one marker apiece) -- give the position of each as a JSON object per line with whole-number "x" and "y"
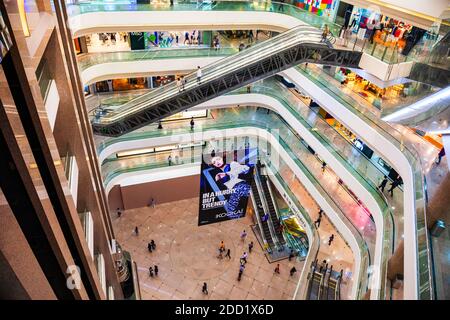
{"x": 386, "y": 53}
{"x": 398, "y": 139}
{"x": 92, "y": 59}
{"x": 289, "y": 140}
{"x": 145, "y": 163}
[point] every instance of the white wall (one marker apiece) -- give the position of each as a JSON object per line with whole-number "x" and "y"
{"x": 133, "y": 21}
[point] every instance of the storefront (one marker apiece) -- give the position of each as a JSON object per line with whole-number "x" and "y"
{"x": 383, "y": 95}
{"x": 323, "y": 8}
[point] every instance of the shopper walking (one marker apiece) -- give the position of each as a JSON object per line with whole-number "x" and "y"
{"x": 244, "y": 258}
{"x": 317, "y": 222}
{"x": 383, "y": 183}
{"x": 150, "y": 271}
{"x": 153, "y": 244}
{"x": 292, "y": 271}
{"x": 153, "y": 203}
{"x": 199, "y": 74}
{"x": 222, "y": 246}
{"x": 192, "y": 123}
{"x": 169, "y": 160}
{"x": 228, "y": 255}
{"x": 149, "y": 247}
{"x": 291, "y": 255}
{"x": 119, "y": 213}
{"x": 320, "y": 213}
{"x": 241, "y": 271}
{"x": 330, "y": 240}
{"x": 136, "y": 230}
{"x": 243, "y": 235}
{"x": 250, "y": 247}
{"x": 277, "y": 269}
{"x": 156, "y": 270}
{"x": 159, "y": 125}
{"x": 171, "y": 3}
{"x": 324, "y": 165}
{"x": 394, "y": 185}
{"x": 205, "y": 288}
{"x": 440, "y": 155}
{"x": 179, "y": 85}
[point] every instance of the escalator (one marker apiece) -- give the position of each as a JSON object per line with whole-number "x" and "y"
{"x": 260, "y": 212}
{"x": 300, "y": 44}
{"x": 272, "y": 211}
{"x": 324, "y": 283}
{"x": 316, "y": 280}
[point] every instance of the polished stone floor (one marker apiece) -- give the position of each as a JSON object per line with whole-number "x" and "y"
{"x": 186, "y": 256}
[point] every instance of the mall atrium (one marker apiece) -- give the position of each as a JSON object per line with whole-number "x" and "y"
{"x": 224, "y": 150}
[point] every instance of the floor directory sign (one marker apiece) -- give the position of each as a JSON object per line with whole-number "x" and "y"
{"x": 225, "y": 182}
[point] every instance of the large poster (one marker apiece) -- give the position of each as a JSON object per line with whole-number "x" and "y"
{"x": 225, "y": 182}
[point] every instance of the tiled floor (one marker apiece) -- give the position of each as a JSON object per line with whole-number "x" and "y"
{"x": 187, "y": 256}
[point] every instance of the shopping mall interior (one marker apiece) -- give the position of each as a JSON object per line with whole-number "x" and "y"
{"x": 224, "y": 150}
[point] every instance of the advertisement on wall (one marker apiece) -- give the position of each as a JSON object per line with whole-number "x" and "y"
{"x": 225, "y": 183}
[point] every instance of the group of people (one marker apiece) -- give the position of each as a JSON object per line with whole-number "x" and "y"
{"x": 394, "y": 184}
{"x": 181, "y": 81}
{"x": 292, "y": 271}
{"x": 151, "y": 246}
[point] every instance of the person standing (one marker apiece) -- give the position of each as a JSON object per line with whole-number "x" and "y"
{"x": 330, "y": 240}
{"x": 199, "y": 74}
{"x": 277, "y": 269}
{"x": 159, "y": 125}
{"x": 222, "y": 246}
{"x": 169, "y": 160}
{"x": 171, "y": 3}
{"x": 320, "y": 213}
{"x": 149, "y": 247}
{"x": 324, "y": 165}
{"x": 119, "y": 213}
{"x": 153, "y": 203}
{"x": 179, "y": 84}
{"x": 250, "y": 247}
{"x": 228, "y": 255}
{"x": 183, "y": 82}
{"x": 136, "y": 230}
{"x": 192, "y": 123}
{"x": 383, "y": 183}
{"x": 156, "y": 270}
{"x": 205, "y": 288}
{"x": 370, "y": 29}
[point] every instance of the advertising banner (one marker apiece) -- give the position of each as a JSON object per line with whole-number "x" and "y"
{"x": 225, "y": 182}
